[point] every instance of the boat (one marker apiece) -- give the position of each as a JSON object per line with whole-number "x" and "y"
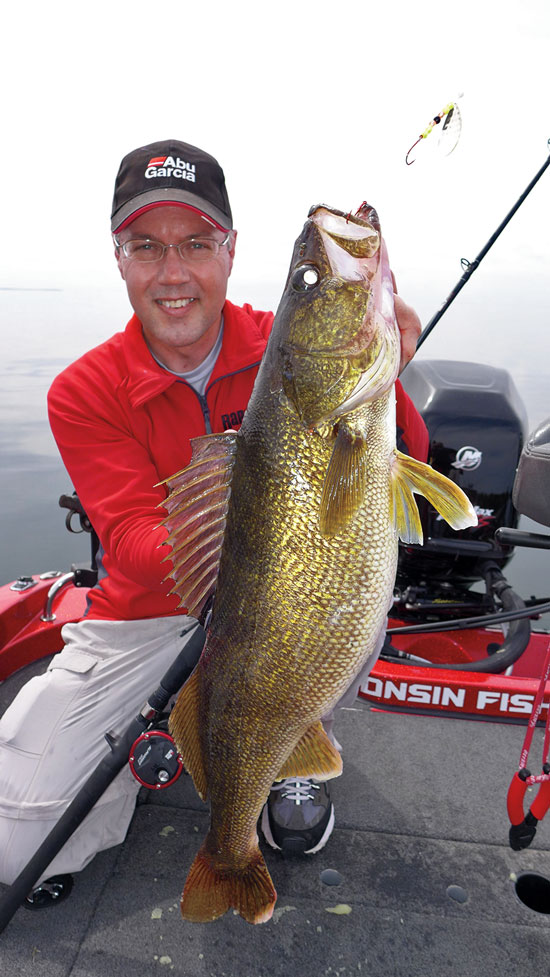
{"x": 445, "y": 652}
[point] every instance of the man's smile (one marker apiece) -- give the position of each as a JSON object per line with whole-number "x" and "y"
{"x": 175, "y": 303}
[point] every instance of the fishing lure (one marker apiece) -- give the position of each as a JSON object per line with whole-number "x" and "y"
{"x": 450, "y": 130}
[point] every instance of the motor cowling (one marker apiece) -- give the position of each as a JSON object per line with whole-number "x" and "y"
{"x": 477, "y": 424}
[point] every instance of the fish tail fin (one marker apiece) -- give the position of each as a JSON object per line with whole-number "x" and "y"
{"x": 211, "y": 889}
{"x": 408, "y": 476}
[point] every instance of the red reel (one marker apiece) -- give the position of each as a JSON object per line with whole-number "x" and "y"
{"x": 154, "y": 760}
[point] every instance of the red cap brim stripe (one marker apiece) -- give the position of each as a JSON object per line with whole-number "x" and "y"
{"x": 168, "y": 203}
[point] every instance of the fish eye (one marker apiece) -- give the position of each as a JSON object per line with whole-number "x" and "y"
{"x": 305, "y": 277}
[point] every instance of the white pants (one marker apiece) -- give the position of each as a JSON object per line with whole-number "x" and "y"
{"x": 52, "y": 736}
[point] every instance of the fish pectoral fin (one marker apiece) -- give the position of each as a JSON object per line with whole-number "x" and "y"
{"x": 344, "y": 487}
{"x": 184, "y": 727}
{"x": 406, "y": 516}
{"x": 314, "y": 756}
{"x": 211, "y": 889}
{"x": 408, "y": 476}
{"x": 197, "y": 508}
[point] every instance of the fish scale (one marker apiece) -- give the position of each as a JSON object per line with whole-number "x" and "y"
{"x": 313, "y": 576}
{"x": 309, "y": 503}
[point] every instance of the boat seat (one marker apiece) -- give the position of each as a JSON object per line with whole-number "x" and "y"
{"x": 531, "y": 492}
{"x": 75, "y": 507}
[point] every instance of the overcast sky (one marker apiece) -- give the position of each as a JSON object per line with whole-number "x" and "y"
{"x": 301, "y": 102}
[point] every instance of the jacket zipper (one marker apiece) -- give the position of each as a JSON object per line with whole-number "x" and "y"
{"x": 205, "y": 411}
{"x": 202, "y": 397}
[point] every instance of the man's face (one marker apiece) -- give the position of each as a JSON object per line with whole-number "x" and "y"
{"x": 178, "y": 303}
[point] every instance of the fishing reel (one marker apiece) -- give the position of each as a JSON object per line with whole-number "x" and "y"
{"x": 154, "y": 759}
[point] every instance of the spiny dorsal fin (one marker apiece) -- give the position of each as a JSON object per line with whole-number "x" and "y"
{"x": 197, "y": 510}
{"x": 345, "y": 482}
{"x": 409, "y": 475}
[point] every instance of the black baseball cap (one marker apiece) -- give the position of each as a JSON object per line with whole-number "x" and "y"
{"x": 170, "y": 172}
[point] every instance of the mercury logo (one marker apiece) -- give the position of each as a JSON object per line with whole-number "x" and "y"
{"x": 168, "y": 166}
{"x": 467, "y": 458}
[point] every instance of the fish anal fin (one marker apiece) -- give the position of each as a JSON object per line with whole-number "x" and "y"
{"x": 410, "y": 475}
{"x": 314, "y": 756}
{"x": 345, "y": 482}
{"x": 197, "y": 506}
{"x": 184, "y": 726}
{"x": 212, "y": 889}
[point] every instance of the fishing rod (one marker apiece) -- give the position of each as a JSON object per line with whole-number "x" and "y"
{"x": 470, "y": 266}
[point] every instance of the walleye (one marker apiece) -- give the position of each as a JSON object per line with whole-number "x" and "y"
{"x": 295, "y": 521}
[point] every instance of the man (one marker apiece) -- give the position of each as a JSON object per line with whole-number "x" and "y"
{"x": 123, "y": 416}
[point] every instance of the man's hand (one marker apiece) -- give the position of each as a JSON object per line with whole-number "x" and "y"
{"x": 410, "y": 327}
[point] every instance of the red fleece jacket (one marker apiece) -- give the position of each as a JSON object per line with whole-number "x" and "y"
{"x": 122, "y": 424}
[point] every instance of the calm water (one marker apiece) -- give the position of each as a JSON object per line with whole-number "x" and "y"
{"x": 46, "y": 330}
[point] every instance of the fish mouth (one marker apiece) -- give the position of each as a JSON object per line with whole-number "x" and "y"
{"x": 351, "y": 243}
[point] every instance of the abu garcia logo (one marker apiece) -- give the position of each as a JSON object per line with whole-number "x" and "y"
{"x": 168, "y": 166}
{"x": 467, "y": 458}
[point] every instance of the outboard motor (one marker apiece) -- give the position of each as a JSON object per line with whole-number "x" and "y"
{"x": 477, "y": 425}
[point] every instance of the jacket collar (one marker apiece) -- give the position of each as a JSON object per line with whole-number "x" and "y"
{"x": 243, "y": 346}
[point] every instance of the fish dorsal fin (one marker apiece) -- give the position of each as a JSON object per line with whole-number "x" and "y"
{"x": 197, "y": 509}
{"x": 184, "y": 724}
{"x": 314, "y": 756}
{"x": 345, "y": 482}
{"x": 409, "y": 475}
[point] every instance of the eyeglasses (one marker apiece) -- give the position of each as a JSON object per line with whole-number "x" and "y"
{"x": 194, "y": 249}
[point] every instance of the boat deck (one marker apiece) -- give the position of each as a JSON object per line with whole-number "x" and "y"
{"x": 421, "y": 844}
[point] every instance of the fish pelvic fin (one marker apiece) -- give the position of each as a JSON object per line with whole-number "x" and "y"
{"x": 197, "y": 506}
{"x": 184, "y": 727}
{"x": 345, "y": 482}
{"x": 212, "y": 889}
{"x": 408, "y": 476}
{"x": 314, "y": 756}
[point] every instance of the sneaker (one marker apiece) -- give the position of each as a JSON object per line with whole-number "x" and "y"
{"x": 49, "y": 892}
{"x": 298, "y": 817}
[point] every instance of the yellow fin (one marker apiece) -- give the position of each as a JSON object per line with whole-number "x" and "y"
{"x": 408, "y": 476}
{"x": 211, "y": 889}
{"x": 314, "y": 756}
{"x": 197, "y": 508}
{"x": 184, "y": 726}
{"x": 345, "y": 482}
{"x": 405, "y": 510}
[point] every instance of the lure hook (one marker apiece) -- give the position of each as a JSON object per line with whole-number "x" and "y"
{"x": 445, "y": 114}
{"x": 407, "y": 160}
